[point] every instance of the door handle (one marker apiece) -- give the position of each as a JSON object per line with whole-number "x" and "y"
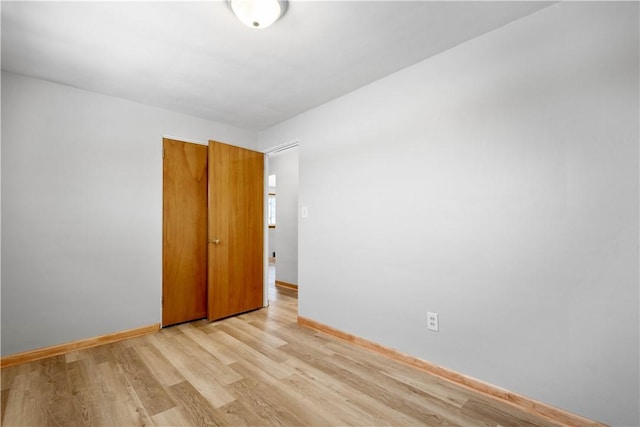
{"x": 214, "y": 241}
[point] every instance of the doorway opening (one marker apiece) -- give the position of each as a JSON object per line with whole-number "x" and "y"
{"x": 283, "y": 219}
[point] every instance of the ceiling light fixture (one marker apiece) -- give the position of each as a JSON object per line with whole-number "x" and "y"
{"x": 258, "y": 13}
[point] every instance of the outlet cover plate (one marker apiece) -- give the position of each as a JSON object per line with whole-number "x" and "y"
{"x": 432, "y": 321}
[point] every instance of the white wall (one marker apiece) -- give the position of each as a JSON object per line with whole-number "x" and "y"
{"x": 272, "y": 241}
{"x": 285, "y": 166}
{"x": 496, "y": 184}
{"x": 82, "y": 210}
{"x": 271, "y": 235}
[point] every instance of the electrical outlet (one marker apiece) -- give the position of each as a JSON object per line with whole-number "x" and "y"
{"x": 432, "y": 321}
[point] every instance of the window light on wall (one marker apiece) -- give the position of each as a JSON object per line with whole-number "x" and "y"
{"x": 272, "y": 210}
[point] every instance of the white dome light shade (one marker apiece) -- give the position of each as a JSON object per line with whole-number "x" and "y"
{"x": 258, "y": 13}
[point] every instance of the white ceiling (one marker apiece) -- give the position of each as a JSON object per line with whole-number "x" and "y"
{"x": 197, "y": 58}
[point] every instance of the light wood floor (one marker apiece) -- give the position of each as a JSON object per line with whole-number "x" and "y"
{"x": 259, "y": 369}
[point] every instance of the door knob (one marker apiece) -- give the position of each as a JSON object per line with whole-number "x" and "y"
{"x": 214, "y": 241}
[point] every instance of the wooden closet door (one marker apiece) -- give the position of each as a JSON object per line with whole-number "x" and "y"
{"x": 184, "y": 224}
{"x": 236, "y": 230}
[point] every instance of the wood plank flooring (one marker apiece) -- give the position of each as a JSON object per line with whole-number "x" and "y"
{"x": 257, "y": 369}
